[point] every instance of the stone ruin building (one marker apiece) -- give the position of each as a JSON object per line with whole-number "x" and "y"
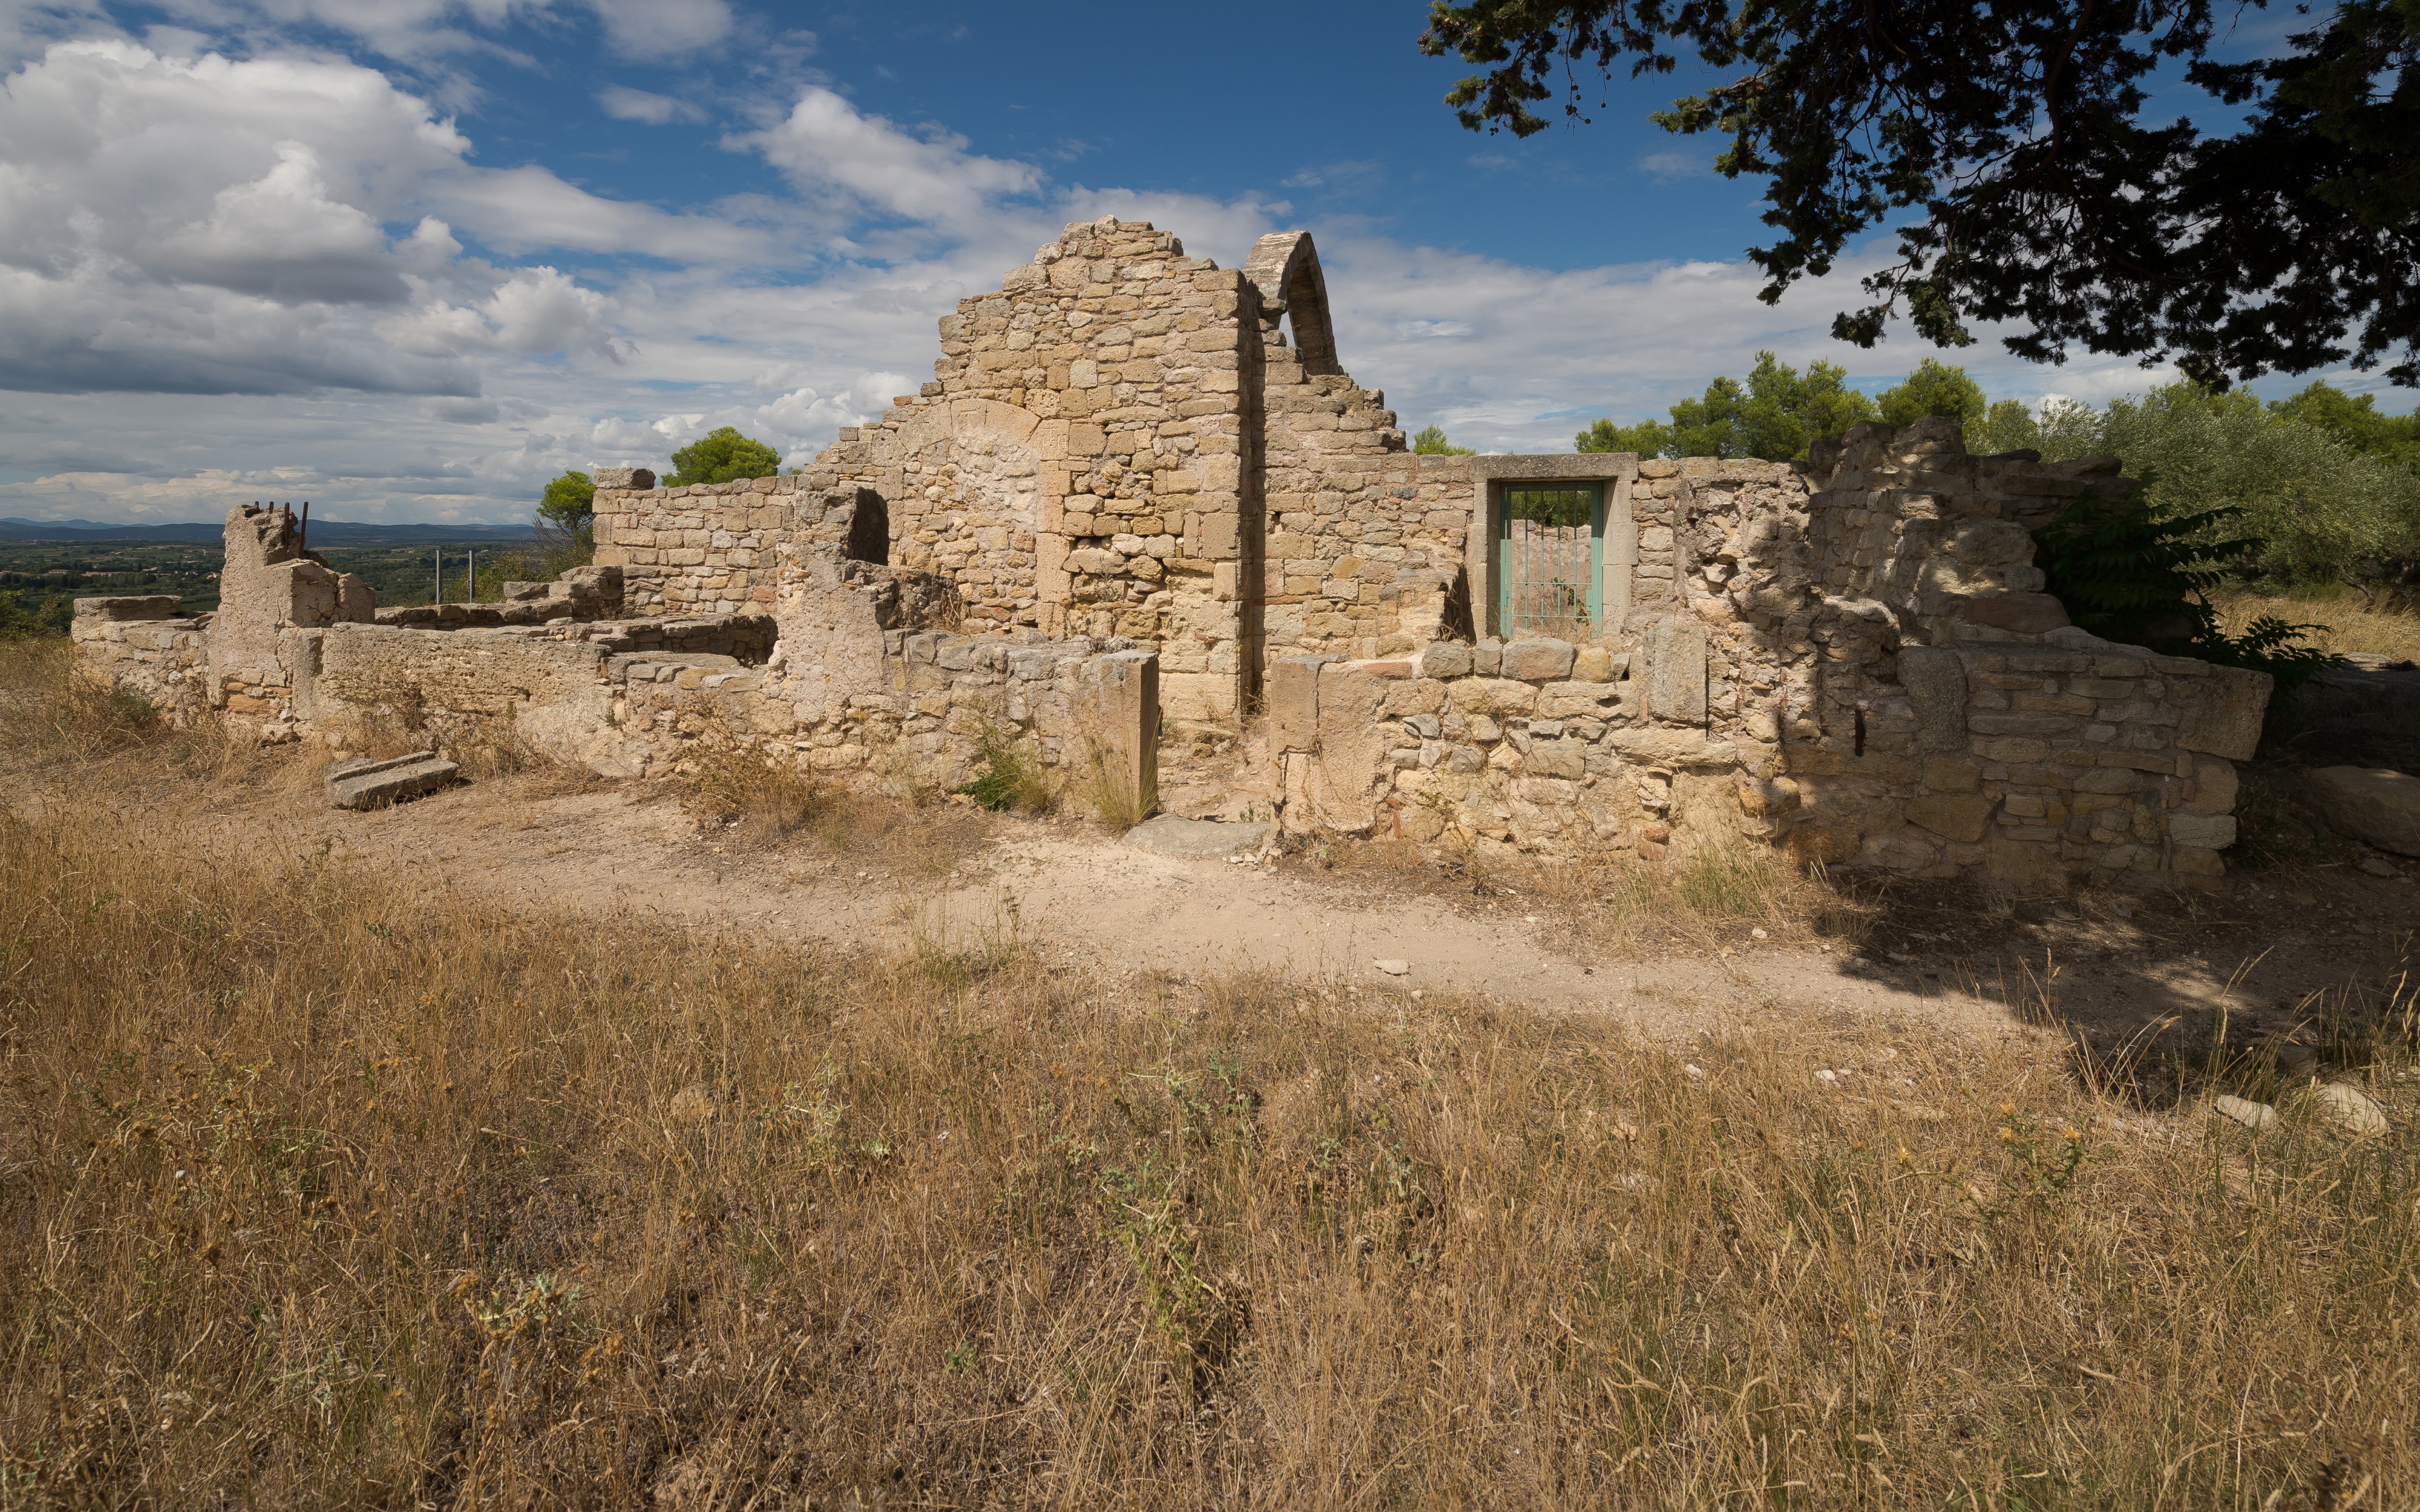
{"x": 1141, "y": 498}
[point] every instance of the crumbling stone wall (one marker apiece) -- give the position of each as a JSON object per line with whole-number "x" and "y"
{"x": 711, "y": 548}
{"x": 1127, "y": 447}
{"x": 1076, "y": 465}
{"x": 148, "y": 646}
{"x": 1860, "y": 668}
{"x": 270, "y": 590}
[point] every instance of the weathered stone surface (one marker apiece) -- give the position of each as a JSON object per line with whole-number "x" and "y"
{"x": 1293, "y": 695}
{"x": 1675, "y": 654}
{"x": 624, "y": 478}
{"x": 2350, "y": 1109}
{"x": 1953, "y": 817}
{"x": 1935, "y": 680}
{"x": 1652, "y": 746}
{"x": 1443, "y": 658}
{"x": 2215, "y": 785}
{"x": 2253, "y": 1115}
{"x": 1592, "y": 664}
{"x": 1168, "y": 835}
{"x": 2207, "y": 831}
{"x": 145, "y": 606}
{"x": 2224, "y": 710}
{"x": 368, "y": 783}
{"x": 1117, "y": 712}
{"x": 2019, "y": 613}
{"x": 1352, "y": 770}
{"x": 1493, "y": 696}
{"x": 1542, "y": 660}
{"x": 2373, "y": 805}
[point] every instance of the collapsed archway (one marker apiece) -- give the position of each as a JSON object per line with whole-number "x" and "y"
{"x": 1285, "y": 267}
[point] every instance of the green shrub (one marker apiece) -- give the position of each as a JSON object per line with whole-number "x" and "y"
{"x": 2136, "y": 575}
{"x": 1013, "y": 776}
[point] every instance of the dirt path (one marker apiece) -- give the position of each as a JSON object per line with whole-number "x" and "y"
{"x": 951, "y": 879}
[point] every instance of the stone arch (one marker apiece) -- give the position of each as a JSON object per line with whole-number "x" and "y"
{"x": 1285, "y": 267}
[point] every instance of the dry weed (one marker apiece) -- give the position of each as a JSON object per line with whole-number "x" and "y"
{"x": 1626, "y": 903}
{"x": 318, "y": 1190}
{"x": 766, "y": 797}
{"x": 52, "y": 710}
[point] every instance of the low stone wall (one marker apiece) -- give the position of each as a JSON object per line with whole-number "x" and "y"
{"x": 147, "y": 646}
{"x": 1089, "y": 711}
{"x": 581, "y": 594}
{"x": 2033, "y": 765}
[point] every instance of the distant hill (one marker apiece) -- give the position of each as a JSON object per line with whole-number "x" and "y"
{"x": 323, "y": 532}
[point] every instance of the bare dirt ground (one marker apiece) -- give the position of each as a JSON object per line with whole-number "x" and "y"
{"x": 2112, "y": 966}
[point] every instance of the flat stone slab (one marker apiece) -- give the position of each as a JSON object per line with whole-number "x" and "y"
{"x": 1204, "y": 838}
{"x": 2371, "y": 804}
{"x": 367, "y": 782}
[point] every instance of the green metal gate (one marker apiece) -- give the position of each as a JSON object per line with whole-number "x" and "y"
{"x": 1549, "y": 566}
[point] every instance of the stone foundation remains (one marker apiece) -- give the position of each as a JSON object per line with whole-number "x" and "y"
{"x": 1138, "y": 479}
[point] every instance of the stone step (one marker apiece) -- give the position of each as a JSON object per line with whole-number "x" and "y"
{"x": 1204, "y": 838}
{"x": 369, "y": 782}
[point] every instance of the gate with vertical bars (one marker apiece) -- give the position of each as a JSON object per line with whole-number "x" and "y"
{"x": 1550, "y": 561}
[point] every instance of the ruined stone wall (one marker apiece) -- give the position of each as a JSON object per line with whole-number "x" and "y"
{"x": 147, "y": 646}
{"x": 703, "y": 550}
{"x": 1865, "y": 674}
{"x": 270, "y": 589}
{"x": 1076, "y": 464}
{"x": 1081, "y": 708}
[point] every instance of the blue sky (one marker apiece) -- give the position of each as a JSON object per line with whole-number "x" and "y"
{"x": 410, "y": 259}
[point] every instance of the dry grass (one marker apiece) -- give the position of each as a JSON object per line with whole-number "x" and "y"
{"x": 321, "y": 1191}
{"x": 1626, "y": 904}
{"x": 2343, "y": 622}
{"x": 732, "y": 785}
{"x": 49, "y": 709}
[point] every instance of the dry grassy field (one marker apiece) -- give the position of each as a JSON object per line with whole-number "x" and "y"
{"x": 330, "y": 1187}
{"x": 2339, "y": 621}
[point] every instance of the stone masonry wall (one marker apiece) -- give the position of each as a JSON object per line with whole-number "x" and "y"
{"x": 1074, "y": 465}
{"x": 1943, "y": 721}
{"x": 148, "y": 647}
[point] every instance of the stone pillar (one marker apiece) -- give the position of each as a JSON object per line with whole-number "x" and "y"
{"x": 1118, "y": 709}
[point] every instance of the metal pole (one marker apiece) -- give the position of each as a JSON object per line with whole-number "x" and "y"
{"x": 472, "y": 596}
{"x": 441, "y": 574}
